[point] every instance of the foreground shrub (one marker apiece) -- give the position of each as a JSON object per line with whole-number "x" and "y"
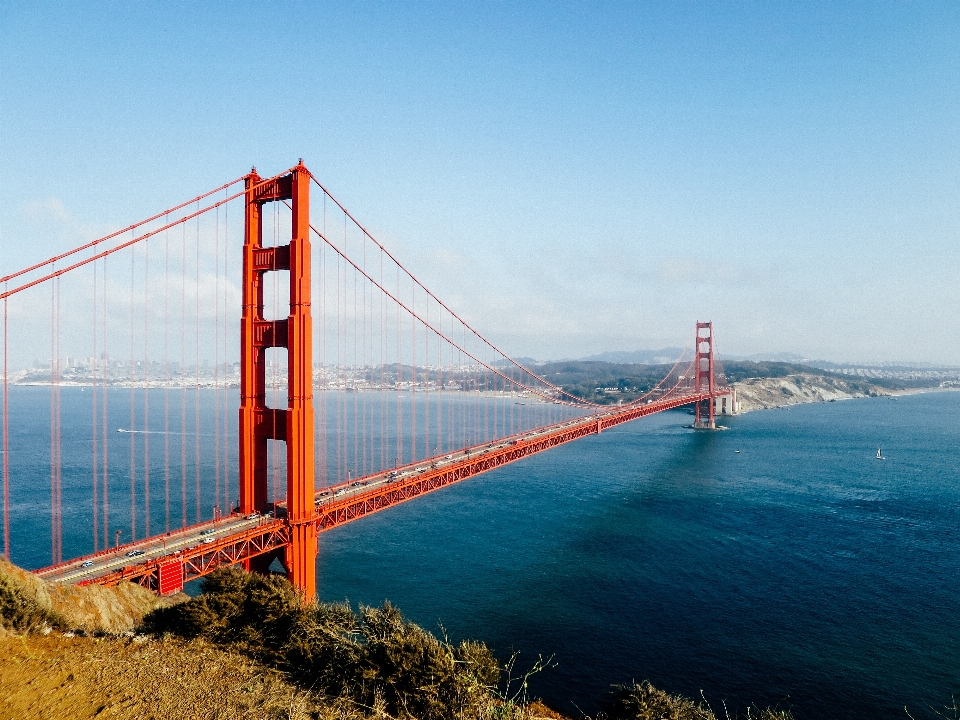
{"x": 645, "y": 702}
{"x": 374, "y": 657}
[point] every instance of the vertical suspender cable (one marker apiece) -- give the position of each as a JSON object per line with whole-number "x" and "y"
{"x": 440, "y": 441}
{"x": 6, "y": 441}
{"x": 196, "y": 393}
{"x": 356, "y": 368}
{"x": 166, "y": 379}
{"x": 132, "y": 381}
{"x": 146, "y": 388}
{"x": 93, "y": 387}
{"x": 426, "y": 381}
{"x": 183, "y": 375}
{"x": 357, "y": 420}
{"x": 226, "y": 363}
{"x": 55, "y": 526}
{"x": 383, "y": 375}
{"x": 216, "y": 364}
{"x": 321, "y": 456}
{"x": 399, "y": 378}
{"x": 59, "y": 440}
{"x": 413, "y": 374}
{"x": 339, "y": 386}
{"x": 363, "y": 359}
{"x": 344, "y": 460}
{"x": 105, "y": 365}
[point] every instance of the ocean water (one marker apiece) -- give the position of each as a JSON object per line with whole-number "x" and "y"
{"x": 171, "y": 454}
{"x": 799, "y": 572}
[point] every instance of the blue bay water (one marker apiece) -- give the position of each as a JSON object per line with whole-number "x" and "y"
{"x": 799, "y": 572}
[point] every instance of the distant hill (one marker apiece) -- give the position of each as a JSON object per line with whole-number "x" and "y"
{"x": 637, "y": 357}
{"x": 525, "y": 361}
{"x": 609, "y": 383}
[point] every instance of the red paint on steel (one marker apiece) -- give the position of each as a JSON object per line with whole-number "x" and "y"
{"x": 704, "y": 376}
{"x": 258, "y": 422}
{"x": 169, "y": 577}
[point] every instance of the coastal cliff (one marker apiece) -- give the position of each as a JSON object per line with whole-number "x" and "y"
{"x": 773, "y": 392}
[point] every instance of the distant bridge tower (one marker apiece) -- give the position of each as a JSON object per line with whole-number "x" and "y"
{"x": 704, "y": 376}
{"x": 293, "y": 424}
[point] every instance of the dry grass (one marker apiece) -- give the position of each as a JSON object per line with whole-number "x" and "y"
{"x": 27, "y": 602}
{"x": 76, "y": 678}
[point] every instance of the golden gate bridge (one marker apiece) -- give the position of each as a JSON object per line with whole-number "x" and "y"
{"x": 359, "y": 389}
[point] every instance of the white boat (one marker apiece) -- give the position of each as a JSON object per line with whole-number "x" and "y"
{"x": 880, "y": 454}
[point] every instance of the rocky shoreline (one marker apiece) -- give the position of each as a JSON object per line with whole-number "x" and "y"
{"x": 768, "y": 393}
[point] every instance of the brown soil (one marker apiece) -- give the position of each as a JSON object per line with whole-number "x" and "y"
{"x": 64, "y": 678}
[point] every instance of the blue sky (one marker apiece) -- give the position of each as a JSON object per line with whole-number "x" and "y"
{"x": 571, "y": 177}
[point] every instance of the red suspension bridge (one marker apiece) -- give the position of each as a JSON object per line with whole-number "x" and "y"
{"x": 358, "y": 389}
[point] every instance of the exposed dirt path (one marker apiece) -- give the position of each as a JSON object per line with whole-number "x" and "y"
{"x": 64, "y": 678}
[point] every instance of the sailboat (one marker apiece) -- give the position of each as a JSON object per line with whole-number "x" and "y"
{"x": 880, "y": 454}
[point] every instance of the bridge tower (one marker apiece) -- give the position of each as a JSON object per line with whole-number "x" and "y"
{"x": 704, "y": 376}
{"x": 293, "y": 424}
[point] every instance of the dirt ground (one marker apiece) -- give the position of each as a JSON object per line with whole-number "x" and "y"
{"x": 64, "y": 678}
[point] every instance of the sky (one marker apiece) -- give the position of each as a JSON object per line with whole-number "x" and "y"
{"x": 572, "y": 178}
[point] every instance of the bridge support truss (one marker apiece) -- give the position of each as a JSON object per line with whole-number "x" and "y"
{"x": 704, "y": 377}
{"x": 293, "y": 424}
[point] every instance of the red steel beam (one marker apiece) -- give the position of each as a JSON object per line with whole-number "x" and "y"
{"x": 203, "y": 558}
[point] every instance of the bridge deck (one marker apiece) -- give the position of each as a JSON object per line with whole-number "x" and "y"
{"x": 202, "y": 548}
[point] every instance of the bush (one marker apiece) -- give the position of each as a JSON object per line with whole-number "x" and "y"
{"x": 645, "y": 702}
{"x": 374, "y": 657}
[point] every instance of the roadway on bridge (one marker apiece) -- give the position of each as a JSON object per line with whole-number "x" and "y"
{"x": 141, "y": 552}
